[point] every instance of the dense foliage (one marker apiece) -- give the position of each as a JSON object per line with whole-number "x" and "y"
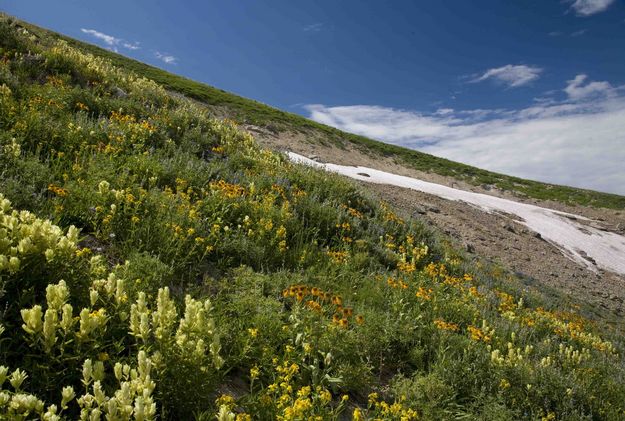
{"x": 156, "y": 263}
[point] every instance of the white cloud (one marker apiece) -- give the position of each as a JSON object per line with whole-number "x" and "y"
{"x": 590, "y": 7}
{"x": 577, "y": 142}
{"x": 577, "y": 90}
{"x": 167, "y": 58}
{"x": 108, "y": 39}
{"x": 579, "y": 33}
{"x": 573, "y": 34}
{"x": 314, "y": 27}
{"x": 511, "y": 75}
{"x": 111, "y": 41}
{"x": 131, "y": 45}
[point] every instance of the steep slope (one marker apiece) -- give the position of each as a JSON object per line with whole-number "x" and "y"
{"x": 578, "y": 255}
{"x": 292, "y": 126}
{"x": 522, "y": 253}
{"x": 156, "y": 262}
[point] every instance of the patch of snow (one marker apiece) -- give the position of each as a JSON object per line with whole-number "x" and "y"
{"x": 581, "y": 243}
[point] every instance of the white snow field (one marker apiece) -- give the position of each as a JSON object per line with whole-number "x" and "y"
{"x": 607, "y": 249}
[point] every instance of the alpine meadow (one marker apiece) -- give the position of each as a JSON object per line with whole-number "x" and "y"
{"x": 157, "y": 262}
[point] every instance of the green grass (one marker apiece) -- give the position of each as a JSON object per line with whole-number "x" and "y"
{"x": 155, "y": 262}
{"x": 253, "y": 112}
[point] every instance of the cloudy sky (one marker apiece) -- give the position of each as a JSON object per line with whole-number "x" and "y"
{"x": 533, "y": 88}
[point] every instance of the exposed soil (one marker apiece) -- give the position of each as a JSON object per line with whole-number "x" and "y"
{"x": 499, "y": 238}
{"x": 496, "y": 237}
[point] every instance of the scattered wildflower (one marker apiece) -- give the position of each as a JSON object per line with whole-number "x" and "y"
{"x": 443, "y": 325}
{"x": 59, "y": 191}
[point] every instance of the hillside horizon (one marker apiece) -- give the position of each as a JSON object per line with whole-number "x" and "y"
{"x": 253, "y": 112}
{"x": 172, "y": 251}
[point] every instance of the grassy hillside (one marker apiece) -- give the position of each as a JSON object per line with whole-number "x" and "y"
{"x": 156, "y": 263}
{"x": 248, "y": 111}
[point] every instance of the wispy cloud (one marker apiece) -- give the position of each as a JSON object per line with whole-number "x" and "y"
{"x": 166, "y": 58}
{"x": 590, "y": 7}
{"x": 511, "y": 75}
{"x": 313, "y": 27}
{"x": 579, "y": 33}
{"x": 107, "y": 39}
{"x": 573, "y": 34}
{"x": 579, "y": 141}
{"x": 577, "y": 89}
{"x": 131, "y": 45}
{"x": 111, "y": 41}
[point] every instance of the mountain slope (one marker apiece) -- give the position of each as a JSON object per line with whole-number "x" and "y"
{"x": 247, "y": 111}
{"x": 156, "y": 262}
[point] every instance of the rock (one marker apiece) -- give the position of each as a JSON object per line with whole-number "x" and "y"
{"x": 272, "y": 128}
{"x": 433, "y": 209}
{"x": 537, "y": 235}
{"x": 587, "y": 257}
{"x": 469, "y": 247}
{"x": 508, "y": 227}
{"x": 119, "y": 92}
{"x": 419, "y": 210}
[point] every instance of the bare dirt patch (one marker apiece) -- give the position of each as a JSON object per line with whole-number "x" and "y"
{"x": 496, "y": 237}
{"x": 499, "y": 238}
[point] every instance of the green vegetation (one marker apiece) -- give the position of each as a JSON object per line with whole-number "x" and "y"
{"x": 156, "y": 263}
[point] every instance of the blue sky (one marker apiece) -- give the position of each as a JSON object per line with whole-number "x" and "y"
{"x": 534, "y": 88}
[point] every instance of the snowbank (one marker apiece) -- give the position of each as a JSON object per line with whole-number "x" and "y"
{"x": 575, "y": 240}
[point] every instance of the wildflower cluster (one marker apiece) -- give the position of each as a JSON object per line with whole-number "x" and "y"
{"x": 379, "y": 409}
{"x": 132, "y": 399}
{"x": 289, "y": 400}
{"x": 325, "y": 303}
{"x": 160, "y": 285}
